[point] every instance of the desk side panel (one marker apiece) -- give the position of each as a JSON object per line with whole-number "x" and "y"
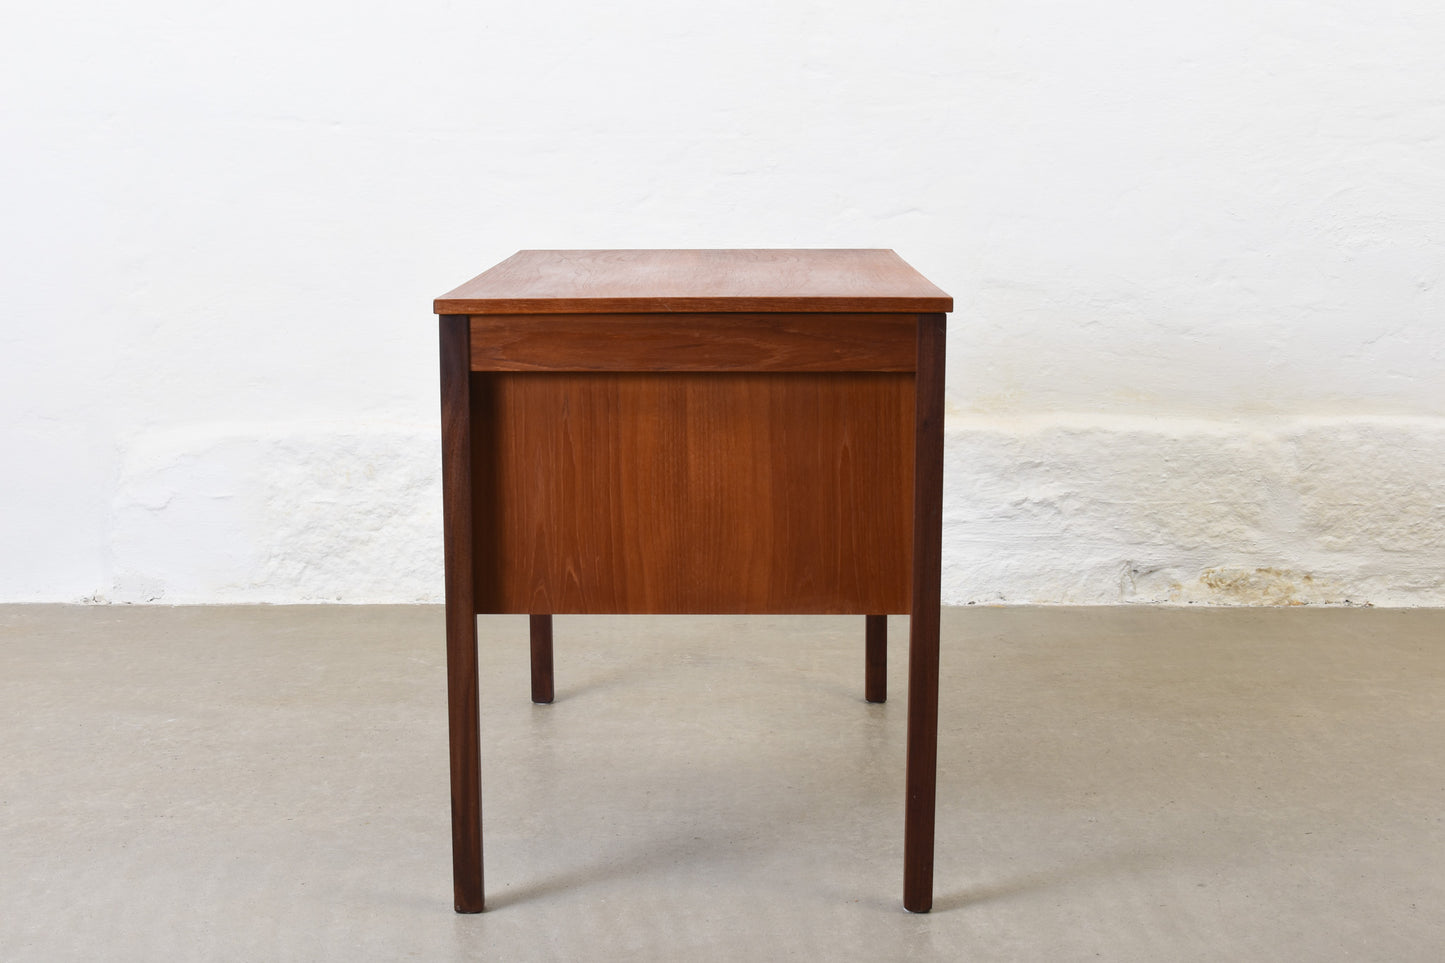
{"x": 693, "y": 492}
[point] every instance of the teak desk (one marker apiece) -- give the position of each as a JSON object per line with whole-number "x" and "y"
{"x": 701, "y": 432}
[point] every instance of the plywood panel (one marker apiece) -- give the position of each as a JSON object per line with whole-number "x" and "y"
{"x": 693, "y": 493}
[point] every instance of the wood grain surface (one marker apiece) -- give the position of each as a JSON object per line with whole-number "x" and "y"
{"x": 694, "y": 342}
{"x": 605, "y": 282}
{"x": 693, "y": 493}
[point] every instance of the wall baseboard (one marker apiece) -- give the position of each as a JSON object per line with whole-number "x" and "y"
{"x": 1069, "y": 509}
{"x": 1064, "y": 509}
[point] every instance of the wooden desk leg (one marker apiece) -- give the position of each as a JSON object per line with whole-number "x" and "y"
{"x": 541, "y": 626}
{"x": 461, "y": 614}
{"x": 923, "y": 622}
{"x": 875, "y": 672}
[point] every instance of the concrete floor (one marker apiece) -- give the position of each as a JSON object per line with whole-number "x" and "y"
{"x": 1115, "y": 783}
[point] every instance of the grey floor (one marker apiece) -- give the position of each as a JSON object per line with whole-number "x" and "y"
{"x": 259, "y": 783}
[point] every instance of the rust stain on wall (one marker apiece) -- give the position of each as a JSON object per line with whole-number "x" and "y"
{"x": 1258, "y": 586}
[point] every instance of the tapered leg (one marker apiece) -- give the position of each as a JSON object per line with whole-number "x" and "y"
{"x": 875, "y": 672}
{"x": 541, "y": 626}
{"x": 461, "y": 614}
{"x": 923, "y": 623}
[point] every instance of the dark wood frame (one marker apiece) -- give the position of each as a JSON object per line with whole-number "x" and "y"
{"x": 761, "y": 341}
{"x": 922, "y": 777}
{"x": 463, "y": 726}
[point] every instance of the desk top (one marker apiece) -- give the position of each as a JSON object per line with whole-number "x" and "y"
{"x": 612, "y": 282}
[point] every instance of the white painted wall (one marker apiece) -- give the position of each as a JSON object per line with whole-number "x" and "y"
{"x": 1196, "y": 250}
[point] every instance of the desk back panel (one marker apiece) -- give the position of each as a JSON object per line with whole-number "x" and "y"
{"x": 693, "y": 492}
